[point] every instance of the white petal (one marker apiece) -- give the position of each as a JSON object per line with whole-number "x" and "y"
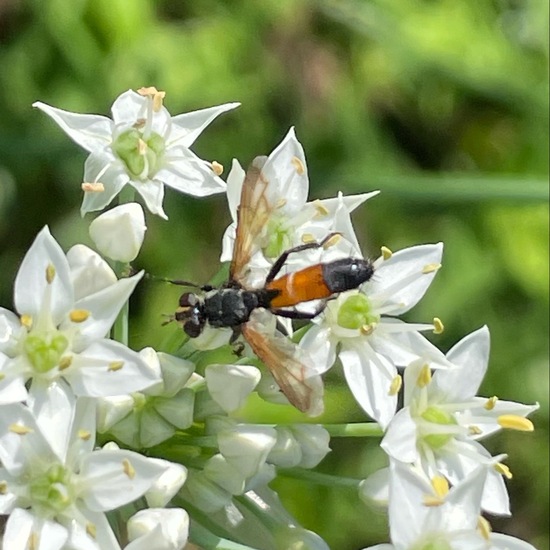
{"x": 471, "y": 356}
{"x": 161, "y": 529}
{"x": 314, "y": 441}
{"x": 401, "y": 281}
{"x": 112, "y": 410}
{"x": 375, "y": 489}
{"x": 188, "y": 126}
{"x": 128, "y": 107}
{"x": 103, "y": 539}
{"x": 152, "y": 192}
{"x": 225, "y": 474}
{"x": 95, "y": 371}
{"x": 167, "y": 484}
{"x": 31, "y": 284}
{"x": 230, "y": 385}
{"x": 400, "y": 439}
{"x": 103, "y": 306}
{"x": 228, "y": 241}
{"x": 92, "y": 132}
{"x": 506, "y": 542}
{"x": 113, "y": 478}
{"x": 369, "y": 378}
{"x": 235, "y": 180}
{"x": 12, "y": 387}
{"x": 176, "y": 371}
{"x": 119, "y": 232}
{"x": 89, "y": 271}
{"x": 287, "y": 452}
{"x": 320, "y": 346}
{"x": 22, "y": 525}
{"x": 177, "y": 409}
{"x": 10, "y": 328}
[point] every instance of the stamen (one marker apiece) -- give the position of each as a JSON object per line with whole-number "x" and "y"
{"x": 515, "y": 422}
{"x": 156, "y": 95}
{"x": 79, "y": 315}
{"x": 65, "y": 362}
{"x": 368, "y": 329}
{"x": 386, "y": 252}
{"x": 50, "y": 274}
{"x": 424, "y": 377}
{"x": 439, "y": 327}
{"x": 20, "y": 429}
{"x": 484, "y": 527}
{"x": 321, "y": 209}
{"x": 430, "y": 268}
{"x": 139, "y": 123}
{"x": 281, "y": 202}
{"x": 217, "y": 168}
{"x": 2, "y": 376}
{"x": 299, "y": 165}
{"x": 84, "y": 434}
{"x": 395, "y": 385}
{"x": 432, "y": 501}
{"x": 91, "y": 529}
{"x": 491, "y": 402}
{"x": 3, "y": 487}
{"x": 33, "y": 541}
{"x": 502, "y": 469}
{"x": 115, "y": 365}
{"x": 96, "y": 187}
{"x": 308, "y": 238}
{"x": 128, "y": 469}
{"x": 474, "y": 430}
{"x": 440, "y": 485}
{"x": 142, "y": 147}
{"x": 26, "y": 321}
{"x": 336, "y": 238}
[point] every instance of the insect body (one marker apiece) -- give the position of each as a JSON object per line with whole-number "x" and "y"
{"x": 237, "y": 306}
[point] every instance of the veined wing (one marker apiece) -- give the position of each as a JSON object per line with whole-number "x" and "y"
{"x": 252, "y": 215}
{"x": 288, "y": 365}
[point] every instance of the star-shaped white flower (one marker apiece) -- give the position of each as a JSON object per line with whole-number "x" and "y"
{"x": 59, "y": 330}
{"x": 56, "y": 488}
{"x": 360, "y": 327}
{"x": 142, "y": 146}
{"x": 442, "y": 420}
{"x": 294, "y": 221}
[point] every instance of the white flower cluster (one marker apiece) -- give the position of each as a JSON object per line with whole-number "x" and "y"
{"x": 70, "y": 386}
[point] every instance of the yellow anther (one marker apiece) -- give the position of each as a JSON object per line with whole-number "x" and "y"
{"x": 20, "y": 429}
{"x": 84, "y": 434}
{"x": 440, "y": 485}
{"x": 515, "y": 422}
{"x": 128, "y": 469}
{"x": 386, "y": 252}
{"x": 299, "y": 165}
{"x": 50, "y": 273}
{"x": 66, "y": 362}
{"x": 26, "y": 321}
{"x": 484, "y": 527}
{"x": 281, "y": 202}
{"x": 139, "y": 123}
{"x": 3, "y": 487}
{"x": 334, "y": 239}
{"x": 33, "y": 541}
{"x": 308, "y": 238}
{"x": 115, "y": 365}
{"x": 430, "y": 268}
{"x": 395, "y": 385}
{"x": 217, "y": 168}
{"x": 502, "y": 469}
{"x": 432, "y": 500}
{"x": 368, "y": 329}
{"x": 439, "y": 327}
{"x": 491, "y": 402}
{"x": 321, "y": 209}
{"x": 474, "y": 430}
{"x": 79, "y": 315}
{"x": 91, "y": 529}
{"x": 2, "y": 376}
{"x": 142, "y": 147}
{"x": 424, "y": 377}
{"x": 155, "y": 94}
{"x": 96, "y": 187}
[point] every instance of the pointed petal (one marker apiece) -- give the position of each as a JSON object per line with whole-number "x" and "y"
{"x": 107, "y": 368}
{"x": 375, "y": 488}
{"x": 400, "y": 439}
{"x": 162, "y": 529}
{"x": 31, "y": 284}
{"x": 92, "y": 132}
{"x": 12, "y": 386}
{"x": 10, "y": 327}
{"x": 188, "y": 126}
{"x": 321, "y": 348}
{"x": 128, "y": 107}
{"x": 22, "y": 525}
{"x": 235, "y": 181}
{"x": 104, "y": 537}
{"x": 152, "y": 192}
{"x": 506, "y": 542}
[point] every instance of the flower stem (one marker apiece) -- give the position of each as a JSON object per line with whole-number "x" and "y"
{"x": 318, "y": 478}
{"x": 205, "y": 539}
{"x": 359, "y": 429}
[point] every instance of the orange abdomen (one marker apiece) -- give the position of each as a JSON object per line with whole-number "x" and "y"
{"x": 300, "y": 286}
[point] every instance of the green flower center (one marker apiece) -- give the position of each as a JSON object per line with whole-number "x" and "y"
{"x": 45, "y": 352}
{"x": 437, "y": 416}
{"x": 436, "y": 542}
{"x": 141, "y": 156}
{"x": 279, "y": 238}
{"x": 52, "y": 489}
{"x": 356, "y": 312}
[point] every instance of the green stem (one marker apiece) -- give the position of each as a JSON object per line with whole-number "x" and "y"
{"x": 318, "y": 478}
{"x": 200, "y": 536}
{"x": 360, "y": 429}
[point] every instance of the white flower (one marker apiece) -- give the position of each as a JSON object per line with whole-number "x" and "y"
{"x": 55, "y": 336}
{"x": 293, "y": 221}
{"x": 360, "y": 327}
{"x": 118, "y": 233}
{"x": 56, "y": 487}
{"x": 142, "y": 146}
{"x": 161, "y": 529}
{"x": 230, "y": 385}
{"x": 442, "y": 420}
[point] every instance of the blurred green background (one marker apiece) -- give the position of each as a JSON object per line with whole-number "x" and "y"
{"x": 443, "y": 105}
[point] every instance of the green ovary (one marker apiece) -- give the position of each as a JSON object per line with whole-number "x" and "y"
{"x": 51, "y": 490}
{"x": 140, "y": 163}
{"x": 279, "y": 239}
{"x": 434, "y": 543}
{"x": 45, "y": 352}
{"x": 356, "y": 312}
{"x": 437, "y": 416}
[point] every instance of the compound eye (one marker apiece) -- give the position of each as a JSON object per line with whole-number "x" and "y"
{"x": 188, "y": 300}
{"x": 192, "y": 328}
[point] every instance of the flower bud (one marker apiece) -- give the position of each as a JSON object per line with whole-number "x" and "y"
{"x": 313, "y": 440}
{"x": 287, "y": 452}
{"x": 375, "y": 489}
{"x": 167, "y": 484}
{"x": 218, "y": 470}
{"x": 118, "y": 233}
{"x": 159, "y": 528}
{"x": 230, "y": 385}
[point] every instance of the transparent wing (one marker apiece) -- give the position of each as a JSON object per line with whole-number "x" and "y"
{"x": 288, "y": 364}
{"x": 252, "y": 216}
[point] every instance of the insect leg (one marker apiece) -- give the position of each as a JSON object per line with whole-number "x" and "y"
{"x": 179, "y": 282}
{"x": 278, "y": 265}
{"x": 294, "y": 314}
